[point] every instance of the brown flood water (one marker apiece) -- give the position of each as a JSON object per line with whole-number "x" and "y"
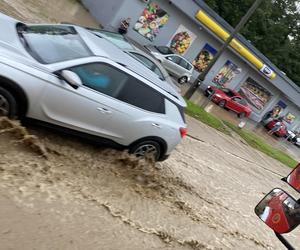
{"x": 58, "y": 192}
{"x": 53, "y": 11}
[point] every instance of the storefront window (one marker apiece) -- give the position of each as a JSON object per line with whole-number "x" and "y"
{"x": 255, "y": 94}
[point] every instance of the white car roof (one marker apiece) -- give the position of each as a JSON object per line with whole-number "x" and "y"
{"x": 10, "y": 46}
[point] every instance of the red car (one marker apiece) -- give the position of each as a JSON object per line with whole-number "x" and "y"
{"x": 281, "y": 132}
{"x": 229, "y": 99}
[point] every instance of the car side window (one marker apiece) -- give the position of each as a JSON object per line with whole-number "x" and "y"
{"x": 140, "y": 95}
{"x": 189, "y": 66}
{"x": 236, "y": 99}
{"x": 183, "y": 63}
{"x": 102, "y": 78}
{"x": 243, "y": 102}
{"x": 113, "y": 82}
{"x": 174, "y": 59}
{"x": 239, "y": 100}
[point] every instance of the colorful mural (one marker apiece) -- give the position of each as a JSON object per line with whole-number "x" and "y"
{"x": 226, "y": 74}
{"x": 151, "y": 21}
{"x": 182, "y": 40}
{"x": 204, "y": 57}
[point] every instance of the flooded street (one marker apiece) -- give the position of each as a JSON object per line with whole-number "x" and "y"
{"x": 53, "y": 11}
{"x": 59, "y": 192}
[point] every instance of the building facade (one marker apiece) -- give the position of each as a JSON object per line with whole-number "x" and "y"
{"x": 195, "y": 31}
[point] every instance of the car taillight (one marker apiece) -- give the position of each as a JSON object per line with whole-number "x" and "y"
{"x": 183, "y": 132}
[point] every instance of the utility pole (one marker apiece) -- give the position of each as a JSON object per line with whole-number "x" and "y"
{"x": 225, "y": 45}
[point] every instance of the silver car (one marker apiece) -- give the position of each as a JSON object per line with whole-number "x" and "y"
{"x": 64, "y": 77}
{"x": 177, "y": 66}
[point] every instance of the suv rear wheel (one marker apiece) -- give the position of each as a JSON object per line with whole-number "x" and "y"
{"x": 146, "y": 148}
{"x": 8, "y": 104}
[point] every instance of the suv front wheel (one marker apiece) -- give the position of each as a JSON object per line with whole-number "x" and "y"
{"x": 8, "y": 104}
{"x": 146, "y": 148}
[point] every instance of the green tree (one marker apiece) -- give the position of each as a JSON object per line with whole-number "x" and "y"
{"x": 274, "y": 29}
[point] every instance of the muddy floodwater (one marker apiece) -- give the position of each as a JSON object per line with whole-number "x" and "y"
{"x": 59, "y": 192}
{"x": 54, "y": 11}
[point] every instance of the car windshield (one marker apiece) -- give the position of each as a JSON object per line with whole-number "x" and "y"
{"x": 164, "y": 50}
{"x": 51, "y": 43}
{"x": 116, "y": 38}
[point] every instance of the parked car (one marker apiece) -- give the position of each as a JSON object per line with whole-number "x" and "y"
{"x": 123, "y": 43}
{"x": 229, "y": 99}
{"x": 177, "y": 66}
{"x": 164, "y": 50}
{"x": 296, "y": 141}
{"x": 281, "y": 132}
{"x": 62, "y": 76}
{"x": 290, "y": 135}
{"x": 154, "y": 66}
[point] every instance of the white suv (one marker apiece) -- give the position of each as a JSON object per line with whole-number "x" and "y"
{"x": 65, "y": 77}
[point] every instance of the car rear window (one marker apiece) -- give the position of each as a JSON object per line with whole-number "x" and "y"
{"x": 164, "y": 50}
{"x": 52, "y": 43}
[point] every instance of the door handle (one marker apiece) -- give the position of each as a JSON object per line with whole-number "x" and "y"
{"x": 104, "y": 110}
{"x": 156, "y": 125}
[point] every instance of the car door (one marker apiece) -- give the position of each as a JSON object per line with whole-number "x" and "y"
{"x": 111, "y": 103}
{"x": 87, "y": 108}
{"x": 172, "y": 64}
{"x": 235, "y": 104}
{"x": 186, "y": 67}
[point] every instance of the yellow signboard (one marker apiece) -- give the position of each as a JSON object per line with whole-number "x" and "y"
{"x": 235, "y": 44}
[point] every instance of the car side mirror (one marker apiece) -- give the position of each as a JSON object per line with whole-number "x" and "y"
{"x": 293, "y": 179}
{"x": 71, "y": 78}
{"x": 169, "y": 58}
{"x": 279, "y": 211}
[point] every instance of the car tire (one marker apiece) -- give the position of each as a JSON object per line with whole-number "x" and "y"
{"x": 222, "y": 103}
{"x": 242, "y": 115}
{"x": 183, "y": 80}
{"x": 141, "y": 149}
{"x": 8, "y": 104}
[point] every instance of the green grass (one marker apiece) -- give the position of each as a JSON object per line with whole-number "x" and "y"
{"x": 207, "y": 118}
{"x": 259, "y": 144}
{"x": 226, "y": 128}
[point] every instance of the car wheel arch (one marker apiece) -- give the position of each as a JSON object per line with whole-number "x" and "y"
{"x": 159, "y": 140}
{"x": 18, "y": 93}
